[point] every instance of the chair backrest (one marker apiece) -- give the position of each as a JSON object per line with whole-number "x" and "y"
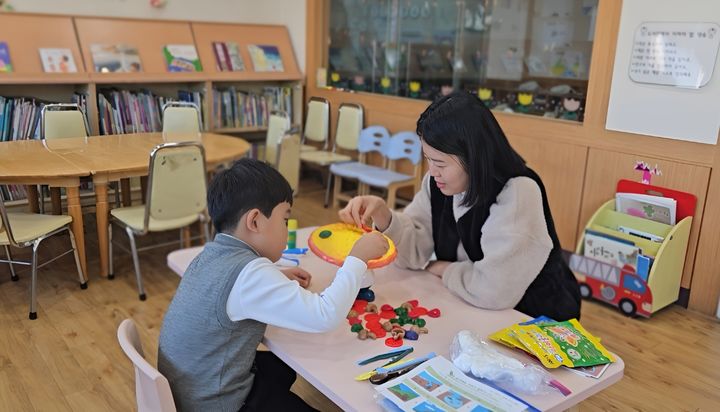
{"x": 177, "y": 184}
{"x": 288, "y": 158}
{"x": 405, "y": 145}
{"x": 152, "y": 389}
{"x": 373, "y": 139}
{"x": 278, "y": 125}
{"x": 349, "y": 125}
{"x": 181, "y": 117}
{"x": 317, "y": 121}
{"x": 63, "y": 120}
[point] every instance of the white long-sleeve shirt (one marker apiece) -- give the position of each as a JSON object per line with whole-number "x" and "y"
{"x": 263, "y": 293}
{"x": 515, "y": 244}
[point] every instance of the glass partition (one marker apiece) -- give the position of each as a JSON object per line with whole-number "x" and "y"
{"x": 523, "y": 56}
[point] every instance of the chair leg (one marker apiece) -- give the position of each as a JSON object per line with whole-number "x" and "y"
{"x": 81, "y": 276}
{"x": 33, "y": 281}
{"x": 136, "y": 262}
{"x": 13, "y": 275}
{"x": 336, "y": 191}
{"x": 327, "y": 190}
{"x": 391, "y": 195}
{"x": 206, "y": 230}
{"x": 111, "y": 272}
{"x": 42, "y": 198}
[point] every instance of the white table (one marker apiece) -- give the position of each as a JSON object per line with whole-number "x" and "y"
{"x": 328, "y": 360}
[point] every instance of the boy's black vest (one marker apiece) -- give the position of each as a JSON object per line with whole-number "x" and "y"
{"x": 553, "y": 293}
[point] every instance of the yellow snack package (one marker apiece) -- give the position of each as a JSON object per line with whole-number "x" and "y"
{"x": 562, "y": 343}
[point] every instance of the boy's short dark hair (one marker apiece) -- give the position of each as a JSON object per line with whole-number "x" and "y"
{"x": 248, "y": 184}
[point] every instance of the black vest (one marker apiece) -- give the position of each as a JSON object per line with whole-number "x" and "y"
{"x": 553, "y": 293}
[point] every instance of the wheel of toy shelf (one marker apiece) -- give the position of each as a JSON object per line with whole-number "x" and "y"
{"x": 333, "y": 243}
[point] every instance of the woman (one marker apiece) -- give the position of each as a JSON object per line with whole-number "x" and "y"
{"x": 482, "y": 212}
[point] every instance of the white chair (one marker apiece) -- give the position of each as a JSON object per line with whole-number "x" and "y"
{"x": 372, "y": 139}
{"x": 66, "y": 121}
{"x": 349, "y": 125}
{"x": 288, "y": 159}
{"x": 23, "y": 230}
{"x": 403, "y": 145}
{"x": 181, "y": 117}
{"x": 176, "y": 198}
{"x": 317, "y": 124}
{"x": 278, "y": 125}
{"x": 152, "y": 389}
{"x": 179, "y": 260}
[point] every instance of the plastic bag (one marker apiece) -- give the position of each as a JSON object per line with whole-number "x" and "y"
{"x": 476, "y": 357}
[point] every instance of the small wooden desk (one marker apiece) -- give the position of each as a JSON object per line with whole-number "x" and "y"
{"x": 328, "y": 360}
{"x": 29, "y": 162}
{"x": 114, "y": 157}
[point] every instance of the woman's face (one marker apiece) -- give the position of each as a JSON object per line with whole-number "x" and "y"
{"x": 450, "y": 176}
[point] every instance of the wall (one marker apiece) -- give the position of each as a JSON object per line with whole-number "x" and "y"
{"x": 579, "y": 163}
{"x": 290, "y": 13}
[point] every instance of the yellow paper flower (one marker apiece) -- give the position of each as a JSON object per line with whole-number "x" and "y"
{"x": 484, "y": 93}
{"x": 414, "y": 87}
{"x": 385, "y": 82}
{"x": 525, "y": 98}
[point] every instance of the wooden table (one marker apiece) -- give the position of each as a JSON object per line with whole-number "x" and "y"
{"x": 106, "y": 158}
{"x": 328, "y": 360}
{"x": 114, "y": 157}
{"x": 29, "y": 162}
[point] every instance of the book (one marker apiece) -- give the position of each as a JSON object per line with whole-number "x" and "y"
{"x": 265, "y": 58}
{"x": 611, "y": 250}
{"x": 227, "y": 56}
{"x": 438, "y": 385}
{"x": 5, "y": 66}
{"x": 656, "y": 208}
{"x": 182, "y": 58}
{"x": 57, "y": 61}
{"x": 110, "y": 58}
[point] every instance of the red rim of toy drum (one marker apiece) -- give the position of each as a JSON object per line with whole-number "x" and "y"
{"x": 373, "y": 264}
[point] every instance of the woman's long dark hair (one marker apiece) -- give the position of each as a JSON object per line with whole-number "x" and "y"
{"x": 459, "y": 124}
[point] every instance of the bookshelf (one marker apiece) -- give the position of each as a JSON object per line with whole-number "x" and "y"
{"x": 26, "y": 33}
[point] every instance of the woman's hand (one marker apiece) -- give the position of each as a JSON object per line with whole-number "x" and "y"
{"x": 361, "y": 209}
{"x": 438, "y": 267}
{"x": 301, "y": 275}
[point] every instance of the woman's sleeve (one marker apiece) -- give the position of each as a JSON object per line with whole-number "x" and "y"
{"x": 411, "y": 230}
{"x": 515, "y": 244}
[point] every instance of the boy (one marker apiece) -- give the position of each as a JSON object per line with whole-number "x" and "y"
{"x": 232, "y": 290}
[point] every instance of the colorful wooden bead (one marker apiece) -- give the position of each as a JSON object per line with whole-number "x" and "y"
{"x": 411, "y": 335}
{"x": 356, "y": 327}
{"x": 434, "y": 313}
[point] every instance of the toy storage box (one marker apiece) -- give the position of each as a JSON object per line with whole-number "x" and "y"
{"x": 622, "y": 287}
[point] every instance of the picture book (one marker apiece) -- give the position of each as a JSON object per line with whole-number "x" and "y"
{"x": 659, "y": 209}
{"x": 57, "y": 61}
{"x": 182, "y": 58}
{"x": 608, "y": 249}
{"x": 265, "y": 58}
{"x": 438, "y": 385}
{"x": 5, "y": 66}
{"x": 111, "y": 58}
{"x": 227, "y": 56}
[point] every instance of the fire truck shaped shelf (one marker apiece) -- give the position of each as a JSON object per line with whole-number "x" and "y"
{"x": 621, "y": 286}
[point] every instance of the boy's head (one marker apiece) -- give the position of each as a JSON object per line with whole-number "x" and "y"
{"x": 251, "y": 201}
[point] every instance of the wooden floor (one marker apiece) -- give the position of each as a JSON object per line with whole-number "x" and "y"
{"x": 69, "y": 358}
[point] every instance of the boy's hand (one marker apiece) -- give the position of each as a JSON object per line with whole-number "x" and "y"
{"x": 361, "y": 209}
{"x": 370, "y": 246}
{"x": 295, "y": 273}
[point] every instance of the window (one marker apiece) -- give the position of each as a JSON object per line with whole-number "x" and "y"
{"x": 524, "y": 56}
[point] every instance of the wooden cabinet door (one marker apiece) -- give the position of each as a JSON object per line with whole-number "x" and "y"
{"x": 561, "y": 167}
